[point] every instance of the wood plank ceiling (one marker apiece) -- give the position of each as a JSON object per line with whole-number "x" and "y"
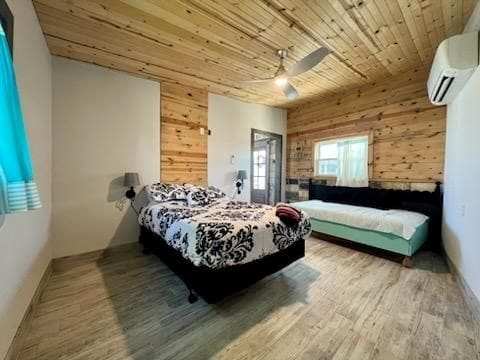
{"x": 212, "y": 44}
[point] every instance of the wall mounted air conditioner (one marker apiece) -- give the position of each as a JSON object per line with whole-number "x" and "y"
{"x": 455, "y": 61}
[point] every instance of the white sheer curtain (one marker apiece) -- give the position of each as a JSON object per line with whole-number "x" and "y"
{"x": 353, "y": 162}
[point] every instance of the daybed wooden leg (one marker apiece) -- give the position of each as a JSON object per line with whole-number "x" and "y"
{"x": 407, "y": 262}
{"x": 192, "y": 298}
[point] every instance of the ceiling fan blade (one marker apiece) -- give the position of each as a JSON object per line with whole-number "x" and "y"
{"x": 308, "y": 62}
{"x": 289, "y": 91}
{"x": 258, "y": 81}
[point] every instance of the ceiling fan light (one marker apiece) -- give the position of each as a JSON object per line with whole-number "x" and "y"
{"x": 281, "y": 81}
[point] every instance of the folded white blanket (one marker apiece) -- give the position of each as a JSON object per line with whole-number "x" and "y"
{"x": 398, "y": 222}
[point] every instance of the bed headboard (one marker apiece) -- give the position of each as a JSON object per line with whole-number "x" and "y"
{"x": 425, "y": 202}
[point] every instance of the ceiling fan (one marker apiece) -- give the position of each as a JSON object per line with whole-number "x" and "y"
{"x": 282, "y": 75}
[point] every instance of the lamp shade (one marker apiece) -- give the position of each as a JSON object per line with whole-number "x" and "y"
{"x": 131, "y": 179}
{"x": 242, "y": 175}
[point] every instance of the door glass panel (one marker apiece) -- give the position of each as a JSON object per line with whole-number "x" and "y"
{"x": 261, "y": 183}
{"x": 259, "y": 169}
{"x": 261, "y": 157}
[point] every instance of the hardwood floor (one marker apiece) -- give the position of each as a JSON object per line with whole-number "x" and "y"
{"x": 336, "y": 303}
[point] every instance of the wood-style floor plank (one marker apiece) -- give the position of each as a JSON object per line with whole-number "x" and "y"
{"x": 336, "y": 303}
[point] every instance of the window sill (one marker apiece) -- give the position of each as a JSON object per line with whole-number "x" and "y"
{"x": 325, "y": 177}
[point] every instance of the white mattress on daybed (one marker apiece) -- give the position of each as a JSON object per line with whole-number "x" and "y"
{"x": 398, "y": 222}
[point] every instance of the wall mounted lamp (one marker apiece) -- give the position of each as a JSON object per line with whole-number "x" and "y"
{"x": 131, "y": 180}
{"x": 241, "y": 177}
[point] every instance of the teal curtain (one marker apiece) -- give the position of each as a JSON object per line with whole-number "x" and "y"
{"x": 18, "y": 190}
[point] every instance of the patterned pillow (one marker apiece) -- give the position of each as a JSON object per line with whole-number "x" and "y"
{"x": 201, "y": 196}
{"x": 215, "y": 193}
{"x": 197, "y": 197}
{"x": 162, "y": 192}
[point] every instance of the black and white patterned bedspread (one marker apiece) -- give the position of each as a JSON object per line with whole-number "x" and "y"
{"x": 223, "y": 234}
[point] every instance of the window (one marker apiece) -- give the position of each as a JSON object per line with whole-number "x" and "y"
{"x": 326, "y": 158}
{"x": 346, "y": 159}
{"x": 18, "y": 190}
{"x": 259, "y": 169}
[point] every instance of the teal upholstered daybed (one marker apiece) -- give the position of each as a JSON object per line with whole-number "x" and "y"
{"x": 381, "y": 240}
{"x": 421, "y": 212}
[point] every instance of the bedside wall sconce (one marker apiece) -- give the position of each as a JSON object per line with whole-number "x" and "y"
{"x": 131, "y": 180}
{"x": 241, "y": 177}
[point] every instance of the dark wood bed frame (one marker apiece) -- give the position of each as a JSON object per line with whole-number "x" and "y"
{"x": 425, "y": 202}
{"x": 215, "y": 284}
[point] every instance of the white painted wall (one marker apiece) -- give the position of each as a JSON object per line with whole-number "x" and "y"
{"x": 231, "y": 122}
{"x": 24, "y": 237}
{"x": 473, "y": 23}
{"x": 104, "y": 123}
{"x": 461, "y": 225}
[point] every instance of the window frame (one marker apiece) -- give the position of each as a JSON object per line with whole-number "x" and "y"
{"x": 6, "y": 20}
{"x": 334, "y": 139}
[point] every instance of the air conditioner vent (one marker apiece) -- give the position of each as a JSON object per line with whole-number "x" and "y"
{"x": 455, "y": 61}
{"x": 442, "y": 89}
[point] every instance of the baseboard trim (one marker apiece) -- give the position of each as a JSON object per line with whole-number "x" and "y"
{"x": 471, "y": 300}
{"x": 19, "y": 338}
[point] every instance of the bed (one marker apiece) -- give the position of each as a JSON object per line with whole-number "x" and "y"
{"x": 218, "y": 246}
{"x": 399, "y": 221}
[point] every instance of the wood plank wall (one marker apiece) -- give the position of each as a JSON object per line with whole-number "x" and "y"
{"x": 408, "y": 133}
{"x": 183, "y": 149}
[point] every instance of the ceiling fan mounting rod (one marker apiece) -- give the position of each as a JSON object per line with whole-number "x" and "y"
{"x": 282, "y": 53}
